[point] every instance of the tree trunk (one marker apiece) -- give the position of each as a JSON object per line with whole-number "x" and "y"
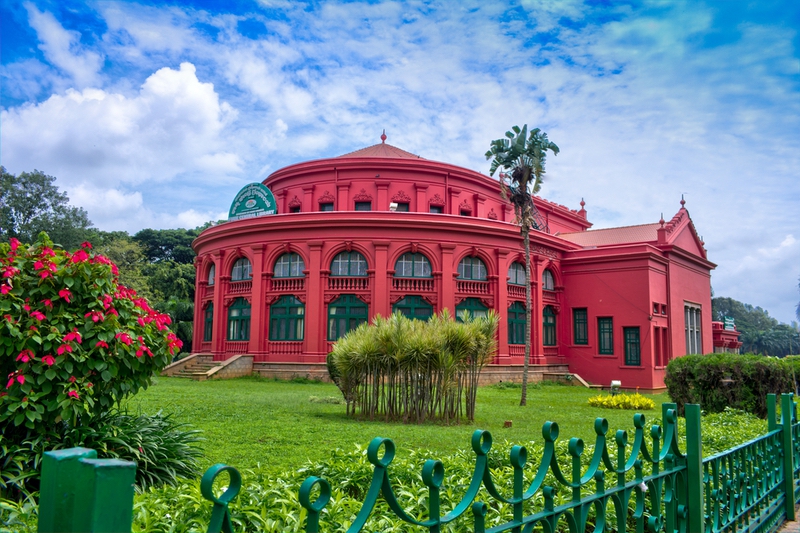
{"x": 525, "y": 229}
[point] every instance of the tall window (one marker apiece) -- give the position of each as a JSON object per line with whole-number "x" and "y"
{"x": 289, "y": 266}
{"x": 472, "y": 268}
{"x": 474, "y": 308}
{"x": 286, "y": 319}
{"x": 208, "y": 326}
{"x": 516, "y": 274}
{"x": 345, "y": 314}
{"x": 239, "y": 320}
{"x": 414, "y": 307}
{"x": 605, "y": 335}
{"x": 349, "y": 264}
{"x": 548, "y": 283}
{"x": 363, "y": 206}
{"x": 694, "y": 339}
{"x": 548, "y": 326}
{"x": 412, "y": 266}
{"x": 241, "y": 269}
{"x": 580, "y": 326}
{"x": 516, "y": 323}
{"x": 212, "y": 273}
{"x": 633, "y": 355}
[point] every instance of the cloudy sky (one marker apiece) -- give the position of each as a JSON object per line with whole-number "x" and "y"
{"x": 155, "y": 114}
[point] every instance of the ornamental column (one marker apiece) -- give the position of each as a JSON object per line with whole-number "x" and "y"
{"x": 220, "y": 310}
{"x": 454, "y": 197}
{"x": 199, "y": 293}
{"x": 308, "y": 197}
{"x": 315, "y": 324}
{"x": 537, "y": 342}
{"x": 422, "y": 192}
{"x": 257, "y": 304}
{"x": 383, "y": 196}
{"x": 501, "y": 304}
{"x": 380, "y": 288}
{"x": 342, "y": 200}
{"x": 447, "y": 288}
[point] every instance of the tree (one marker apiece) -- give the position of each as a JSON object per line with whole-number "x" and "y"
{"x": 31, "y": 203}
{"x": 524, "y": 155}
{"x": 760, "y": 333}
{"x": 168, "y": 244}
{"x": 797, "y": 311}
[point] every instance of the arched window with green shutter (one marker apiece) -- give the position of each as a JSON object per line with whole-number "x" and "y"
{"x": 344, "y": 314}
{"x": 412, "y": 265}
{"x": 208, "y": 325}
{"x": 472, "y": 268}
{"x": 242, "y": 270}
{"x": 548, "y": 326}
{"x": 289, "y": 265}
{"x": 239, "y": 320}
{"x": 287, "y": 319}
{"x": 212, "y": 272}
{"x": 516, "y": 274}
{"x": 548, "y": 281}
{"x": 473, "y": 306}
{"x": 349, "y": 264}
{"x": 516, "y": 323}
{"x": 414, "y": 307}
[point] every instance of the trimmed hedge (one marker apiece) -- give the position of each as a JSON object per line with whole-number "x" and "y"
{"x": 721, "y": 380}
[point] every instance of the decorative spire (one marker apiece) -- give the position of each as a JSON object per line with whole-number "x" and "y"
{"x": 582, "y": 203}
{"x": 383, "y": 136}
{"x": 662, "y": 220}
{"x": 683, "y": 202}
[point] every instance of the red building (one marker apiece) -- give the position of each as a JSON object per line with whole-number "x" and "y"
{"x": 381, "y": 230}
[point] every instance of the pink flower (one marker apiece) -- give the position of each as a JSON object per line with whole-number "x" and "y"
{"x": 64, "y": 348}
{"x": 20, "y": 379}
{"x": 89, "y": 385}
{"x": 26, "y": 307}
{"x": 74, "y": 335}
{"x": 49, "y": 360}
{"x": 79, "y": 256}
{"x": 48, "y": 303}
{"x": 45, "y": 274}
{"x": 65, "y": 293}
{"x": 86, "y": 244}
{"x": 124, "y": 338}
{"x": 101, "y": 344}
{"x": 9, "y": 272}
{"x": 5, "y": 289}
{"x": 25, "y": 356}
{"x": 72, "y": 379}
{"x": 48, "y": 252}
{"x": 38, "y": 315}
{"x": 73, "y": 394}
{"x": 14, "y": 244}
{"x": 96, "y": 316}
{"x": 107, "y": 300}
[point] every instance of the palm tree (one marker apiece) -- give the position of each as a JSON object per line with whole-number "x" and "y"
{"x": 524, "y": 155}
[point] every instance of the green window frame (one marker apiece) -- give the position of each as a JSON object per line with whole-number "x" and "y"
{"x": 289, "y": 265}
{"x": 436, "y": 209}
{"x": 208, "y": 323}
{"x": 327, "y": 206}
{"x": 349, "y": 264}
{"x": 239, "y": 320}
{"x": 472, "y": 268}
{"x": 402, "y": 207}
{"x": 580, "y": 326}
{"x": 633, "y": 350}
{"x": 363, "y": 206}
{"x": 548, "y": 326}
{"x": 605, "y": 335}
{"x": 345, "y": 313}
{"x": 473, "y": 306}
{"x": 692, "y": 328}
{"x": 516, "y": 273}
{"x": 516, "y": 323}
{"x": 241, "y": 270}
{"x": 413, "y": 307}
{"x": 287, "y": 319}
{"x": 548, "y": 281}
{"x": 212, "y": 273}
{"x": 412, "y": 265}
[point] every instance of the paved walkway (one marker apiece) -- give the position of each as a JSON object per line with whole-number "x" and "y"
{"x": 793, "y": 526}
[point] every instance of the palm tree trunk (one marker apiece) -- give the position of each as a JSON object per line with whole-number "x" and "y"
{"x": 526, "y": 239}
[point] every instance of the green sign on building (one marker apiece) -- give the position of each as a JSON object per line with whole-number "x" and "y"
{"x": 728, "y": 323}
{"x": 254, "y": 200}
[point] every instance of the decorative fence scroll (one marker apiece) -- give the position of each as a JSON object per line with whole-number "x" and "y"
{"x": 642, "y": 482}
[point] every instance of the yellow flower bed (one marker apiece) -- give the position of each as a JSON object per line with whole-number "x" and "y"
{"x": 622, "y": 401}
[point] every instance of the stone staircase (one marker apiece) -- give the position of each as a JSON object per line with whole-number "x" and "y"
{"x": 201, "y": 367}
{"x": 197, "y": 369}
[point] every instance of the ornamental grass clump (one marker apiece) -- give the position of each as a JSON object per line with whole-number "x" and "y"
{"x": 73, "y": 341}
{"x": 622, "y": 401}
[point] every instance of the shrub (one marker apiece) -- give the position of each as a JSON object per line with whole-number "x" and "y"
{"x": 622, "y": 401}
{"x": 721, "y": 380}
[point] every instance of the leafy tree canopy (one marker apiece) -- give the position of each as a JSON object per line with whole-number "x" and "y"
{"x": 168, "y": 244}
{"x": 31, "y": 203}
{"x": 760, "y": 333}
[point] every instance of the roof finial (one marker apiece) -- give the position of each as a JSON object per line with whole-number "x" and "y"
{"x": 383, "y": 136}
{"x": 662, "y": 220}
{"x": 582, "y": 203}
{"x": 683, "y": 202}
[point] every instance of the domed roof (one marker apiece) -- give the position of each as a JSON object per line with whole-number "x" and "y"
{"x": 382, "y": 150}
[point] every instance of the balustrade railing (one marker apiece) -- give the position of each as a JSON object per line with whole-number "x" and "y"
{"x": 516, "y": 349}
{"x": 516, "y": 291}
{"x": 287, "y": 284}
{"x": 209, "y": 291}
{"x": 472, "y": 287}
{"x": 639, "y": 482}
{"x": 236, "y": 347}
{"x": 551, "y": 351}
{"x": 348, "y": 284}
{"x": 412, "y": 284}
{"x": 240, "y": 287}
{"x": 285, "y": 347}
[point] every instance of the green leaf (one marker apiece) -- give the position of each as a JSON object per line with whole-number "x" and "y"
{"x": 106, "y": 375}
{"x": 50, "y": 373}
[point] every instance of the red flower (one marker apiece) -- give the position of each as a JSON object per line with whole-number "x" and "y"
{"x": 86, "y": 244}
{"x": 124, "y": 338}
{"x": 38, "y": 315}
{"x": 10, "y": 271}
{"x": 64, "y": 348}
{"x": 26, "y": 307}
{"x": 89, "y": 385}
{"x": 48, "y": 303}
{"x": 25, "y": 356}
{"x": 48, "y": 252}
{"x": 73, "y": 336}
{"x": 79, "y": 256}
{"x": 5, "y": 289}
{"x": 72, "y": 379}
{"x": 65, "y": 293}
{"x": 96, "y": 316}
{"x": 14, "y": 244}
{"x": 73, "y": 394}
{"x": 101, "y": 344}
{"x": 49, "y": 360}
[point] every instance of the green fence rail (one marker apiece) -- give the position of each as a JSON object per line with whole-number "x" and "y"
{"x": 640, "y": 482}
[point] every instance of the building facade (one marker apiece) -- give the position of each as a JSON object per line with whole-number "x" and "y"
{"x": 381, "y": 230}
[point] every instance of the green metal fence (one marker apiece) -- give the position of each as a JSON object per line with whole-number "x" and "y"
{"x": 639, "y": 482}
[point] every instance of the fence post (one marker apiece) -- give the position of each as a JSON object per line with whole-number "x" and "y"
{"x": 694, "y": 468}
{"x": 787, "y": 414}
{"x": 772, "y": 417}
{"x": 81, "y": 493}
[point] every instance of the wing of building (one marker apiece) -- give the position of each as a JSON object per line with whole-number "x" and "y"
{"x": 381, "y": 230}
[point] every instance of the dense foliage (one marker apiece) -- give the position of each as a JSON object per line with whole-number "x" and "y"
{"x": 623, "y": 401}
{"x": 718, "y": 381}
{"x": 410, "y": 370}
{"x": 760, "y": 333}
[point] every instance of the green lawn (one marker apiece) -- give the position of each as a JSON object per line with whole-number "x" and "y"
{"x": 275, "y": 424}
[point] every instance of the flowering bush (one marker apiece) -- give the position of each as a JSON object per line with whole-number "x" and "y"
{"x": 623, "y": 401}
{"x": 73, "y": 341}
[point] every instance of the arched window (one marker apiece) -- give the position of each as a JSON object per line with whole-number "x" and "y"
{"x": 208, "y": 326}
{"x": 516, "y": 274}
{"x": 241, "y": 270}
{"x": 212, "y": 273}
{"x": 472, "y": 268}
{"x": 548, "y": 282}
{"x": 286, "y": 319}
{"x": 412, "y": 266}
{"x": 414, "y": 307}
{"x": 344, "y": 314}
{"x": 239, "y": 320}
{"x": 289, "y": 266}
{"x": 516, "y": 323}
{"x": 548, "y": 326}
{"x": 473, "y": 306}
{"x": 349, "y": 264}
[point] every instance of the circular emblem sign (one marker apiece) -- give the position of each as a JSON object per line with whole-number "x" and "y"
{"x": 254, "y": 200}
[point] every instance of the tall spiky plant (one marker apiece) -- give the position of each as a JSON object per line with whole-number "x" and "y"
{"x": 524, "y": 155}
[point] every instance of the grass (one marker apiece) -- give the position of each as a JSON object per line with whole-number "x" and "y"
{"x": 281, "y": 425}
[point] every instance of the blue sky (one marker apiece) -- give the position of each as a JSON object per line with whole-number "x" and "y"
{"x": 155, "y": 114}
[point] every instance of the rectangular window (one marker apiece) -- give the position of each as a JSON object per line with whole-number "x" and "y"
{"x": 580, "y": 326}
{"x": 465, "y": 213}
{"x": 633, "y": 354}
{"x": 326, "y": 207}
{"x": 694, "y": 340}
{"x": 208, "y": 329}
{"x": 658, "y": 352}
{"x": 605, "y": 336}
{"x": 656, "y": 309}
{"x": 363, "y": 206}
{"x": 402, "y": 206}
{"x": 295, "y": 209}
{"x": 437, "y": 209}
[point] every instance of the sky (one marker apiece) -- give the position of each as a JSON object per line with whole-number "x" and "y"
{"x": 155, "y": 114}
